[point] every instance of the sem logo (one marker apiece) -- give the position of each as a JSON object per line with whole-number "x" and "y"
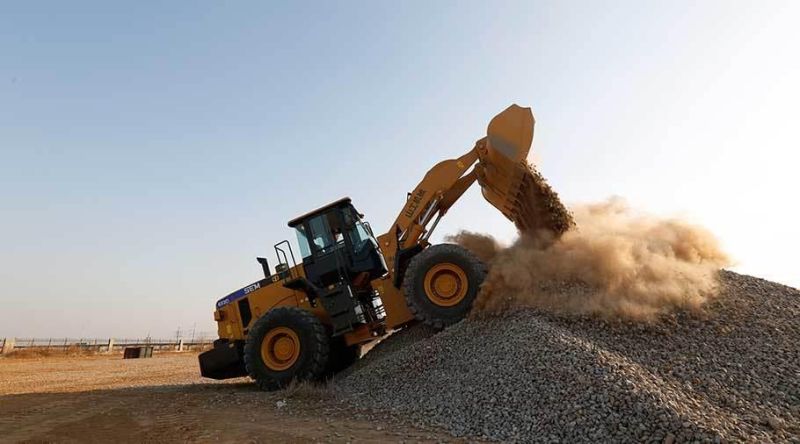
{"x": 252, "y": 288}
{"x": 414, "y": 203}
{"x": 225, "y": 301}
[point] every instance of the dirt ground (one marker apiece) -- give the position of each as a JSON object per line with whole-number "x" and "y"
{"x": 163, "y": 399}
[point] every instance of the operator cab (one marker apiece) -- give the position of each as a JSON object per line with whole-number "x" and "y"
{"x": 340, "y": 259}
{"x": 337, "y": 246}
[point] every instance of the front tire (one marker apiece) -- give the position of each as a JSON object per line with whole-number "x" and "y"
{"x": 286, "y": 344}
{"x": 441, "y": 284}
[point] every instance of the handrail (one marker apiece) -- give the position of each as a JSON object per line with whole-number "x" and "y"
{"x": 279, "y": 251}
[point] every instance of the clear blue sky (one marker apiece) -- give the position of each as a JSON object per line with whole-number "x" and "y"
{"x": 150, "y": 150}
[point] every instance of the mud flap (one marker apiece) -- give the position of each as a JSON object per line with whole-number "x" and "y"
{"x": 224, "y": 361}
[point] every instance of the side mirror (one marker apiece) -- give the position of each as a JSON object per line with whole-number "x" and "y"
{"x": 264, "y": 265}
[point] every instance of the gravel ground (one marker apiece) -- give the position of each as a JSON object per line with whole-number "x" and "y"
{"x": 731, "y": 373}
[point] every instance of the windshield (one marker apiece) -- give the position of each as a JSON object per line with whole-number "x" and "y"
{"x": 360, "y": 236}
{"x": 359, "y": 233}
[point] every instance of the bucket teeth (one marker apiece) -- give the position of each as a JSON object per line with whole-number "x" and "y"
{"x": 538, "y": 206}
{"x": 528, "y": 201}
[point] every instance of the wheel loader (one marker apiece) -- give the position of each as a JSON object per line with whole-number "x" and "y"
{"x": 346, "y": 287}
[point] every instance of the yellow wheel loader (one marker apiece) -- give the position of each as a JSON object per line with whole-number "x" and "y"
{"x": 308, "y": 319}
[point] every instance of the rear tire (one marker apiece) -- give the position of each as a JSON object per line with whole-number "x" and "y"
{"x": 286, "y": 344}
{"x": 441, "y": 284}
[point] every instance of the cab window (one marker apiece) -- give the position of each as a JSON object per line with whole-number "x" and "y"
{"x": 302, "y": 241}
{"x": 321, "y": 233}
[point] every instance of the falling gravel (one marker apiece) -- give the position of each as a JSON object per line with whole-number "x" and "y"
{"x": 730, "y": 372}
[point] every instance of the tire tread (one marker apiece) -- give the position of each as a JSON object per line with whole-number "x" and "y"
{"x": 414, "y": 270}
{"x": 306, "y": 320}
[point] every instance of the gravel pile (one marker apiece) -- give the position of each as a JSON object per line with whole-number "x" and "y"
{"x": 729, "y": 374}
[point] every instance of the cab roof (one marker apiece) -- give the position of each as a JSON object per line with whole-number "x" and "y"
{"x": 299, "y": 219}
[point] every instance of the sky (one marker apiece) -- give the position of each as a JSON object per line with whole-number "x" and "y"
{"x": 149, "y": 151}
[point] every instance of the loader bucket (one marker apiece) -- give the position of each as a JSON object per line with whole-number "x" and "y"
{"x": 511, "y": 184}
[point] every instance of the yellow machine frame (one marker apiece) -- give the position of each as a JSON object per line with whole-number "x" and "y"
{"x": 497, "y": 162}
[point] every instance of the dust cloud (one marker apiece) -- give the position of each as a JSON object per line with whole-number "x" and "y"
{"x": 482, "y": 245}
{"x": 617, "y": 263}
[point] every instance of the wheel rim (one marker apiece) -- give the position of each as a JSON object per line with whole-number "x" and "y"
{"x": 280, "y": 348}
{"x": 446, "y": 284}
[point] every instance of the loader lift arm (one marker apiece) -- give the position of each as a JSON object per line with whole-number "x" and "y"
{"x": 498, "y": 163}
